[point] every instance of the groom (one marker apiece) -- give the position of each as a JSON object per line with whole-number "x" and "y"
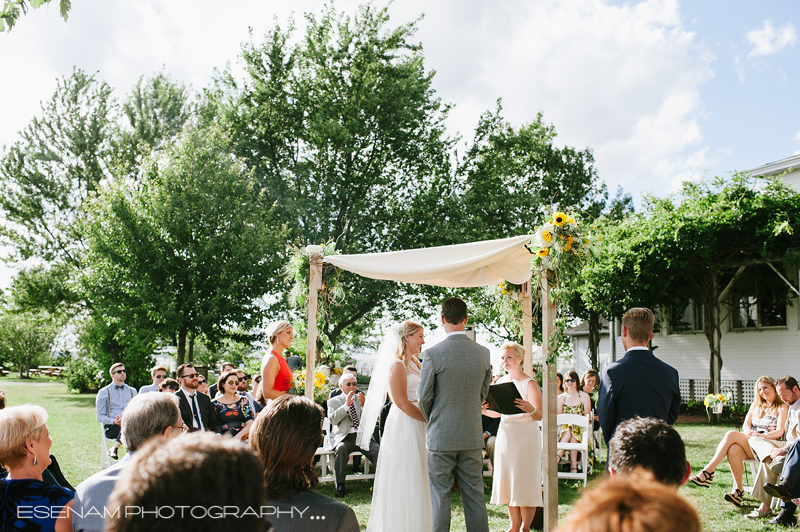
{"x": 455, "y": 379}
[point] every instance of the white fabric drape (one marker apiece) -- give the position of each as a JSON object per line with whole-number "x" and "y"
{"x": 463, "y": 265}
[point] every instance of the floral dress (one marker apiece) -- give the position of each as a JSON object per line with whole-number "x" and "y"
{"x": 25, "y": 494}
{"x": 577, "y": 431}
{"x": 233, "y": 416}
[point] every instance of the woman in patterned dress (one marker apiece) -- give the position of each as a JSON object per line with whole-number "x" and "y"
{"x": 572, "y": 401}
{"x": 233, "y": 410}
{"x": 765, "y": 421}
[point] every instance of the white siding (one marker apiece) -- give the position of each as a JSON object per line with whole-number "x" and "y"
{"x": 746, "y": 355}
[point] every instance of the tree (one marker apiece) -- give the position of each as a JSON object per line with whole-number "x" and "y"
{"x": 715, "y": 244}
{"x": 343, "y": 132}
{"x": 61, "y": 159}
{"x": 189, "y": 250}
{"x": 12, "y": 8}
{"x": 26, "y": 338}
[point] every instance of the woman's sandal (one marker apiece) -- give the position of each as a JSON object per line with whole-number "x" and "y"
{"x": 703, "y": 479}
{"x": 573, "y": 470}
{"x": 735, "y": 497}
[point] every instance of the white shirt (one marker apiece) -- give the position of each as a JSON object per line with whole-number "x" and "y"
{"x": 192, "y": 406}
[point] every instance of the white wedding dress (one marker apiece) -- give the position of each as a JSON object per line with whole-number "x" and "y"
{"x": 401, "y": 496}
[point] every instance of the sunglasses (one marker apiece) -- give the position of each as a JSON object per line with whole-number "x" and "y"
{"x": 202, "y": 381}
{"x": 161, "y": 376}
{"x": 190, "y": 376}
{"x": 119, "y": 371}
{"x": 569, "y": 380}
{"x": 349, "y": 384}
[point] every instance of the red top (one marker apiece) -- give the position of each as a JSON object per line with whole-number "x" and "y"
{"x": 284, "y": 378}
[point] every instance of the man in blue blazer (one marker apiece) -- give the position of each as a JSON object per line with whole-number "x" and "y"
{"x": 639, "y": 384}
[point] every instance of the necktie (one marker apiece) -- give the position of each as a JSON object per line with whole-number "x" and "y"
{"x": 354, "y": 415}
{"x": 197, "y": 424}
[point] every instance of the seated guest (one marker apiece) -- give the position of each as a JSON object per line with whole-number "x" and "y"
{"x": 202, "y": 385}
{"x": 25, "y": 450}
{"x": 344, "y": 412}
{"x": 244, "y": 385}
{"x": 197, "y": 411}
{"x": 349, "y": 369}
{"x": 559, "y": 383}
{"x": 211, "y": 484}
{"x": 147, "y": 416}
{"x": 788, "y": 489}
{"x": 764, "y": 425}
{"x": 214, "y": 388}
{"x": 589, "y": 385}
{"x": 169, "y": 385}
{"x": 158, "y": 373}
{"x": 631, "y": 505}
{"x": 769, "y": 470}
{"x": 490, "y": 426}
{"x": 294, "y": 362}
{"x": 285, "y": 437}
{"x": 573, "y": 401}
{"x": 651, "y": 445}
{"x": 111, "y": 401}
{"x": 233, "y": 411}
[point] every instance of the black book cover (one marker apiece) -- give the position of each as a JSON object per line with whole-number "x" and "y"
{"x": 501, "y": 398}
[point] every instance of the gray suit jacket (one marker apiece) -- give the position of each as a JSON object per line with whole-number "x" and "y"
{"x": 91, "y": 497}
{"x": 455, "y": 379}
{"x": 339, "y": 416}
{"x": 309, "y": 511}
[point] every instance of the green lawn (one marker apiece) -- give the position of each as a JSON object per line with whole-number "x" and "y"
{"x": 76, "y": 443}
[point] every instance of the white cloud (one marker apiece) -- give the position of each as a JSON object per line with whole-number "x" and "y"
{"x": 769, "y": 40}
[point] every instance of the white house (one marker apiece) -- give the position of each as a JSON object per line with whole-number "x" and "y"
{"x": 757, "y": 338}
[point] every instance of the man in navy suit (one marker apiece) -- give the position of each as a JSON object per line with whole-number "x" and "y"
{"x": 639, "y": 384}
{"x": 788, "y": 488}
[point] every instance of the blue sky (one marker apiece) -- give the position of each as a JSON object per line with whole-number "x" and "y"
{"x": 660, "y": 90}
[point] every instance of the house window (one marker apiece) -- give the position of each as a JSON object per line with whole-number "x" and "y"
{"x": 750, "y": 312}
{"x": 688, "y": 318}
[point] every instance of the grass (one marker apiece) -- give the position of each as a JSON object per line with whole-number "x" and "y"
{"x": 76, "y": 443}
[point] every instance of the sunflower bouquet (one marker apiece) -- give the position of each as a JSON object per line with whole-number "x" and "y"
{"x": 322, "y": 385}
{"x": 558, "y": 240}
{"x": 714, "y": 403}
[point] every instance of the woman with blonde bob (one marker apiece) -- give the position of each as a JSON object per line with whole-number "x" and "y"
{"x": 25, "y": 451}
{"x": 517, "y": 451}
{"x": 285, "y": 437}
{"x": 631, "y": 505}
{"x": 762, "y": 427}
{"x": 276, "y": 377}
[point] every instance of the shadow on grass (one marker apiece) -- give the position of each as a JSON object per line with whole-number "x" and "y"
{"x": 85, "y": 401}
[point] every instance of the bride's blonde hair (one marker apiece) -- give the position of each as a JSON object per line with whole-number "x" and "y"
{"x": 407, "y": 328}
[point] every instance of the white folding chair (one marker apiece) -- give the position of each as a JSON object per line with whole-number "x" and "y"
{"x": 327, "y": 453}
{"x": 105, "y": 460}
{"x": 583, "y": 446}
{"x": 747, "y": 484}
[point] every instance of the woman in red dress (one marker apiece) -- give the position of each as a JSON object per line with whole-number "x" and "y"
{"x": 276, "y": 377}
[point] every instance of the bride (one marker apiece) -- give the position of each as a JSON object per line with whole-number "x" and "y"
{"x": 401, "y": 499}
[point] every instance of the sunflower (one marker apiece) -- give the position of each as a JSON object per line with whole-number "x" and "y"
{"x": 543, "y": 252}
{"x": 559, "y": 218}
{"x": 546, "y": 236}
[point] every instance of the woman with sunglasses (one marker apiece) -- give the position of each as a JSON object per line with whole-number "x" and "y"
{"x": 233, "y": 410}
{"x": 572, "y": 401}
{"x": 202, "y": 386}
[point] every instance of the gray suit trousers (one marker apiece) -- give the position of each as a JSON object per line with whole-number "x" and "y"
{"x": 467, "y": 466}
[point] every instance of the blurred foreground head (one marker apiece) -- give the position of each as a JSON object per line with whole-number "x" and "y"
{"x": 651, "y": 446}
{"x": 198, "y": 482}
{"x": 631, "y": 505}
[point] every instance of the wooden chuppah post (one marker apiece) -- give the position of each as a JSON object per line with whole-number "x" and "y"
{"x": 314, "y": 284}
{"x": 527, "y": 329}
{"x": 549, "y": 432}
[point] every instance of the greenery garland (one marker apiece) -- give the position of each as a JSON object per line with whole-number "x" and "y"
{"x": 297, "y": 272}
{"x": 561, "y": 247}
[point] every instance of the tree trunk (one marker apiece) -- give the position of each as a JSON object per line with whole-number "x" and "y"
{"x": 713, "y": 333}
{"x": 191, "y": 349}
{"x": 594, "y": 338}
{"x": 181, "y": 346}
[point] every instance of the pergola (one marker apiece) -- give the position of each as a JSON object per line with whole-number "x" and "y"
{"x": 463, "y": 265}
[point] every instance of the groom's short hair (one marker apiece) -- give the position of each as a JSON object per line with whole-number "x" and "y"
{"x": 639, "y": 322}
{"x": 454, "y": 311}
